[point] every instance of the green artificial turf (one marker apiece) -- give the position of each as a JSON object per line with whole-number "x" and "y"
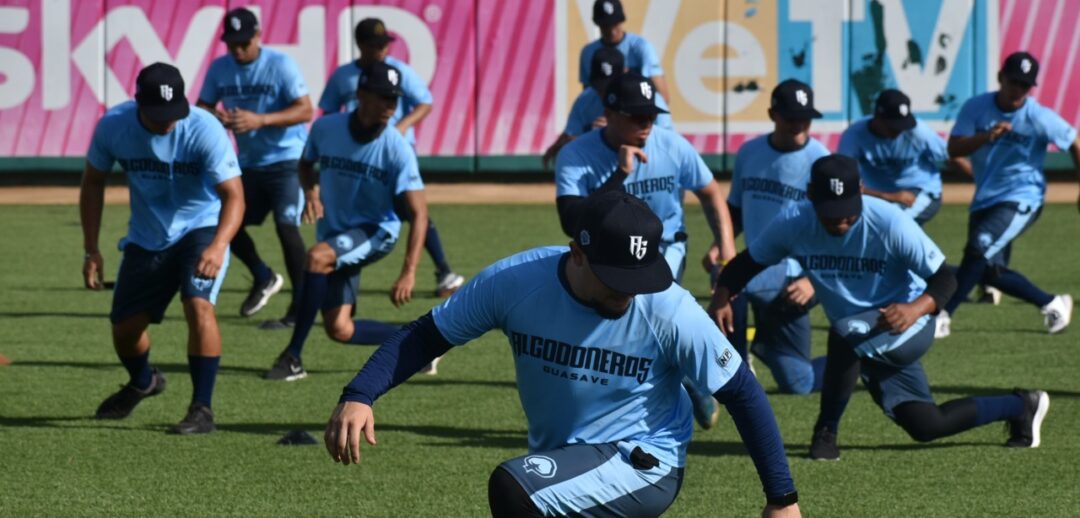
{"x": 439, "y": 437}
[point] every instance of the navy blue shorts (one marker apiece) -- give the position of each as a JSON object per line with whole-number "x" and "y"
{"x": 595, "y": 480}
{"x": 897, "y": 376}
{"x": 355, "y": 249}
{"x": 992, "y": 230}
{"x": 148, "y": 280}
{"x": 273, "y": 188}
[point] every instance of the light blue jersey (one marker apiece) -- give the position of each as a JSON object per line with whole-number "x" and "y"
{"x": 640, "y": 57}
{"x": 340, "y": 92}
{"x": 583, "y": 378}
{"x": 588, "y": 106}
{"x": 269, "y": 84}
{"x": 172, "y": 177}
{"x": 1010, "y": 169}
{"x": 583, "y": 165}
{"x": 907, "y": 162}
{"x": 884, "y": 257}
{"x": 358, "y": 182}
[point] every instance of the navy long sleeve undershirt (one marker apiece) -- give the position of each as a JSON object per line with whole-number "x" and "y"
{"x": 403, "y": 355}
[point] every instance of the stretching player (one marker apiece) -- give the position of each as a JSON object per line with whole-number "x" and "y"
{"x": 770, "y": 174}
{"x": 415, "y": 104}
{"x": 186, "y": 205}
{"x": 641, "y": 58}
{"x": 654, "y": 164}
{"x": 880, "y": 280}
{"x": 601, "y": 339}
{"x": 587, "y": 113}
{"x": 365, "y": 166}
{"x": 266, "y": 105}
{"x": 1006, "y": 134}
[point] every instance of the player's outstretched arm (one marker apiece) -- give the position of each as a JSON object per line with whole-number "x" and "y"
{"x": 401, "y": 292}
{"x": 231, "y": 192}
{"x": 413, "y": 118}
{"x": 349, "y": 421}
{"x": 91, "y": 204}
{"x": 553, "y": 150}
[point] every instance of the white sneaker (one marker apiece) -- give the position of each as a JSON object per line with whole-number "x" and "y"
{"x": 432, "y": 368}
{"x": 1058, "y": 313}
{"x": 942, "y": 325}
{"x": 447, "y": 283}
{"x": 991, "y": 295}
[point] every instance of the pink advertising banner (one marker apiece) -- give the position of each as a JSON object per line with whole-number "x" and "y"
{"x": 503, "y": 73}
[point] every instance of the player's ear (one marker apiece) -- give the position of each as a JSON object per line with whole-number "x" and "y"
{"x": 576, "y": 254}
{"x": 772, "y": 116}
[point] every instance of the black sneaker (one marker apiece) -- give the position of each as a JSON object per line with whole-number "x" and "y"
{"x": 286, "y": 368}
{"x": 120, "y": 404}
{"x": 260, "y": 294}
{"x": 199, "y": 419}
{"x": 1024, "y": 430}
{"x": 823, "y": 445}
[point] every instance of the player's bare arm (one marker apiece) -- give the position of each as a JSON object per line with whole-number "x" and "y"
{"x": 719, "y": 219}
{"x": 309, "y": 181}
{"x": 964, "y": 146}
{"x": 800, "y": 291}
{"x": 553, "y": 150}
{"x": 213, "y": 109}
{"x": 898, "y": 317}
{"x": 231, "y": 193}
{"x": 413, "y": 118}
{"x": 349, "y": 421}
{"x": 661, "y": 85}
{"x": 243, "y": 121}
{"x": 91, "y": 204}
{"x": 628, "y": 157}
{"x": 401, "y": 292}
{"x": 903, "y": 197}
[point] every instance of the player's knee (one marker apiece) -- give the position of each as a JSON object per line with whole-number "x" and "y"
{"x": 339, "y": 331}
{"x": 507, "y": 498}
{"x": 321, "y": 258}
{"x": 917, "y": 429}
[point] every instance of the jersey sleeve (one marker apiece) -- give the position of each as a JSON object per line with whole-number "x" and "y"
{"x": 576, "y": 123}
{"x": 330, "y": 100}
{"x": 294, "y": 86}
{"x": 583, "y": 65}
{"x": 910, "y": 243}
{"x": 965, "y": 120}
{"x": 209, "y": 92}
{"x": 408, "y": 171}
{"x": 414, "y": 89}
{"x": 936, "y": 150}
{"x": 650, "y": 61}
{"x": 693, "y": 173}
{"x": 734, "y": 198}
{"x": 849, "y": 145}
{"x": 474, "y": 309}
{"x": 571, "y": 173}
{"x": 219, "y": 158}
{"x": 311, "y": 146}
{"x": 773, "y": 244}
{"x": 99, "y": 156}
{"x": 696, "y": 345}
{"x": 1056, "y": 130}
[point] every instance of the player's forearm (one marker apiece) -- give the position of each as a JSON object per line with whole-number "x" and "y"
{"x": 414, "y": 117}
{"x": 299, "y": 112}
{"x": 232, "y": 211}
{"x": 91, "y": 204}
{"x": 719, "y": 219}
{"x": 661, "y": 85}
{"x": 309, "y": 177}
{"x": 401, "y": 356}
{"x": 887, "y": 196}
{"x": 940, "y": 287}
{"x": 417, "y": 233}
{"x": 964, "y": 146}
{"x": 1074, "y": 150}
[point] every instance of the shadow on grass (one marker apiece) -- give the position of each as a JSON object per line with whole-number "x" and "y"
{"x": 53, "y": 314}
{"x": 467, "y": 437}
{"x": 993, "y": 391}
{"x": 170, "y": 368}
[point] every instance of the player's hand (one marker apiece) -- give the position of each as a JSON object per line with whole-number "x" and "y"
{"x": 898, "y": 317}
{"x": 999, "y": 129}
{"x": 599, "y": 122}
{"x": 401, "y": 292}
{"x": 905, "y": 198}
{"x": 788, "y": 511}
{"x": 210, "y": 261}
{"x": 402, "y": 129}
{"x": 549, "y": 156}
{"x": 720, "y": 311}
{"x": 711, "y": 258}
{"x": 799, "y": 292}
{"x": 221, "y": 115}
{"x": 627, "y": 154}
{"x": 342, "y": 437}
{"x": 313, "y": 208}
{"x": 93, "y": 266}
{"x": 243, "y": 121}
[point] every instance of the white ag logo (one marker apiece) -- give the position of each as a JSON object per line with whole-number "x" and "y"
{"x": 235, "y": 22}
{"x": 858, "y": 327}
{"x": 638, "y": 247}
{"x": 609, "y": 8}
{"x": 584, "y": 238}
{"x": 904, "y": 110}
{"x": 344, "y": 242}
{"x": 541, "y": 466}
{"x": 606, "y": 68}
{"x": 1025, "y": 65}
{"x": 800, "y": 95}
{"x": 836, "y": 186}
{"x": 392, "y": 75}
{"x": 166, "y": 92}
{"x": 646, "y": 90}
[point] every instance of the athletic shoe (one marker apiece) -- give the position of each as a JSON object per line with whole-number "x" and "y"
{"x": 823, "y": 445}
{"x": 260, "y": 294}
{"x": 942, "y": 325}
{"x": 447, "y": 283}
{"x": 1024, "y": 430}
{"x": 989, "y": 295}
{"x": 120, "y": 404}
{"x": 432, "y": 368}
{"x": 286, "y": 368}
{"x": 199, "y": 419}
{"x": 286, "y": 322}
{"x": 1058, "y": 313}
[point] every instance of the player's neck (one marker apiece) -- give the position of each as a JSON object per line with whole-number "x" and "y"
{"x": 363, "y": 129}
{"x": 1005, "y": 105}
{"x": 786, "y": 142}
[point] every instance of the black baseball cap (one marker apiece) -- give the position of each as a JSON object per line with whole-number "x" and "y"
{"x": 1021, "y": 67}
{"x": 240, "y": 26}
{"x": 606, "y": 13}
{"x": 621, "y": 237}
{"x": 794, "y": 100}
{"x": 159, "y": 93}
{"x": 380, "y": 79}
{"x": 607, "y": 63}
{"x": 835, "y": 188}
{"x": 894, "y": 109}
{"x": 632, "y": 94}
{"x": 372, "y": 31}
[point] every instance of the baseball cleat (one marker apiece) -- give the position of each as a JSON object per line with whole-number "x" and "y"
{"x": 120, "y": 404}
{"x": 447, "y": 283}
{"x": 286, "y": 368}
{"x": 989, "y": 295}
{"x": 260, "y": 294}
{"x": 942, "y": 325}
{"x": 1058, "y": 313}
{"x": 823, "y": 446}
{"x": 1024, "y": 431}
{"x": 199, "y": 419}
{"x": 432, "y": 368}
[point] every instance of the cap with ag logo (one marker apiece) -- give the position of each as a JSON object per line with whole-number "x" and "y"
{"x": 894, "y": 109}
{"x": 380, "y": 79}
{"x": 794, "y": 100}
{"x": 372, "y": 31}
{"x": 835, "y": 188}
{"x": 620, "y": 236}
{"x": 1021, "y": 67}
{"x": 632, "y": 94}
{"x": 159, "y": 93}
{"x": 606, "y": 13}
{"x": 240, "y": 26}
{"x": 607, "y": 62}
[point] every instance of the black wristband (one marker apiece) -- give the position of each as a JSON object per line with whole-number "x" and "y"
{"x": 783, "y": 500}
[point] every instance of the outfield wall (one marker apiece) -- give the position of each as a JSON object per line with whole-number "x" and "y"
{"x": 504, "y": 72}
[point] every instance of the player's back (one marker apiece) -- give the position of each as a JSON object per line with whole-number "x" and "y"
{"x": 909, "y": 161}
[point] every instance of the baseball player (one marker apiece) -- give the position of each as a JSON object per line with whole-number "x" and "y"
{"x": 880, "y": 280}
{"x": 601, "y": 338}
{"x": 587, "y": 113}
{"x": 641, "y": 58}
{"x": 1006, "y": 134}
{"x": 364, "y": 165}
{"x": 415, "y": 104}
{"x": 186, "y": 204}
{"x": 266, "y": 106}
{"x": 654, "y": 164}
{"x": 770, "y": 173}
